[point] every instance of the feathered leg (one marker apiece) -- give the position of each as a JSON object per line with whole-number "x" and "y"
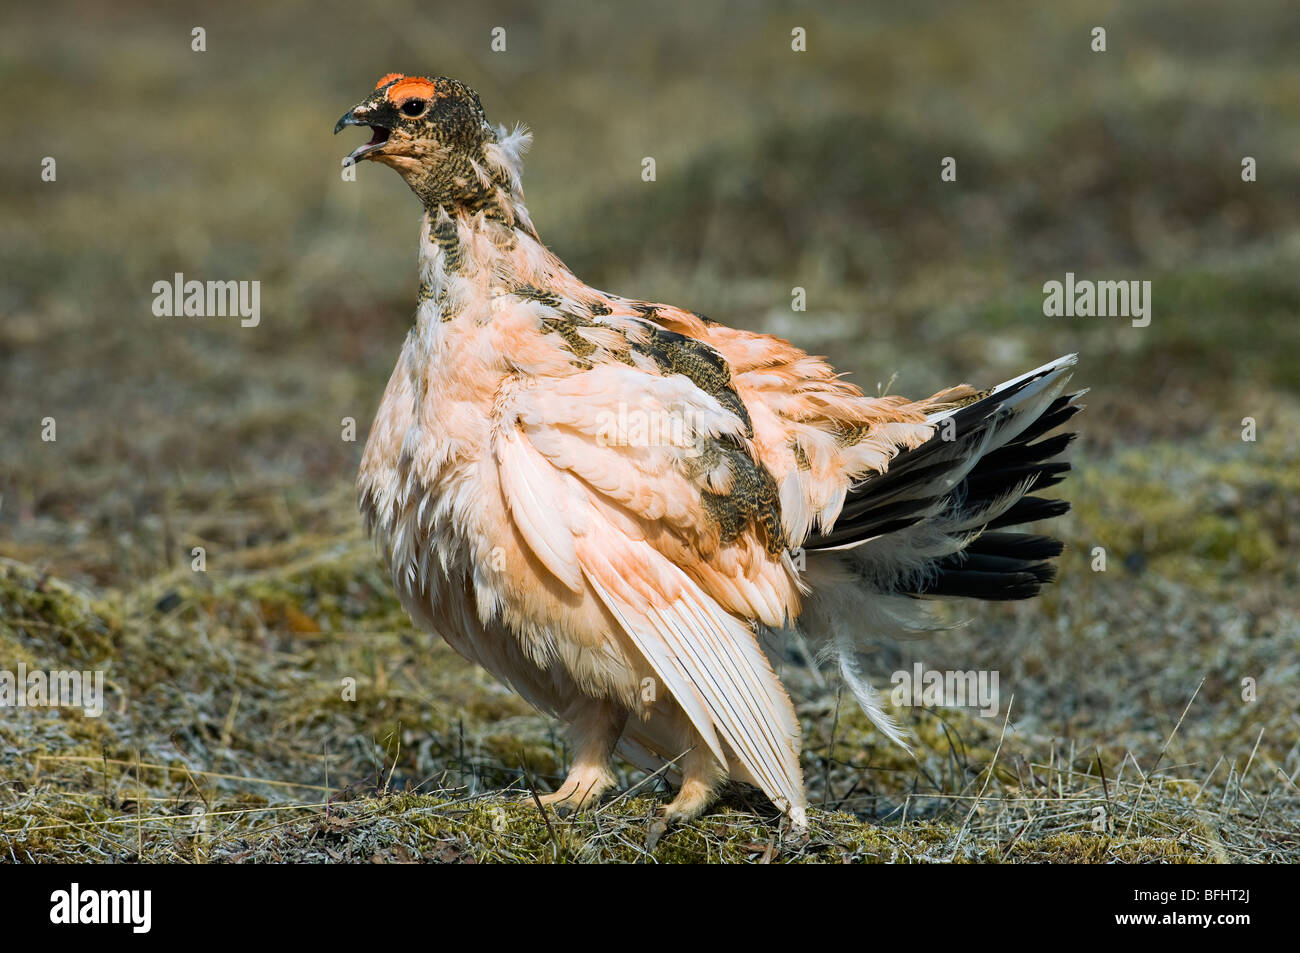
{"x": 596, "y": 724}
{"x": 702, "y": 775}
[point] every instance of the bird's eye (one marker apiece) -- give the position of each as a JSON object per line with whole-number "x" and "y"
{"x": 413, "y": 107}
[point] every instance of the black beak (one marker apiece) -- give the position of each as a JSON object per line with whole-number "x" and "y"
{"x": 376, "y": 142}
{"x": 347, "y": 120}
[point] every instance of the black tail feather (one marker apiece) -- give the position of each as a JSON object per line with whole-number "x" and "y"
{"x": 1030, "y": 509}
{"x": 996, "y": 566}
{"x": 1007, "y": 565}
{"x": 907, "y": 492}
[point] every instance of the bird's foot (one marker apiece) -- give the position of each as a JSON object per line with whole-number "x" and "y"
{"x": 580, "y": 790}
{"x": 692, "y": 800}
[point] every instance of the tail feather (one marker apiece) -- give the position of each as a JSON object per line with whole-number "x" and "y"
{"x": 921, "y": 484}
{"x": 935, "y": 524}
{"x": 1030, "y": 509}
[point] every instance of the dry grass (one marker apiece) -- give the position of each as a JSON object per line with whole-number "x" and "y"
{"x": 226, "y": 737}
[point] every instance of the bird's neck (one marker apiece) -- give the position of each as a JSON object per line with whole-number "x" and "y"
{"x": 467, "y": 258}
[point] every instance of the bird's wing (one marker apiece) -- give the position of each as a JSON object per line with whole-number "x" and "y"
{"x": 818, "y": 434}
{"x": 610, "y": 498}
{"x": 708, "y": 660}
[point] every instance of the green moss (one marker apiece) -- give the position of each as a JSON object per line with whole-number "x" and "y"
{"x": 1102, "y": 849}
{"x": 1210, "y": 514}
{"x": 39, "y": 610}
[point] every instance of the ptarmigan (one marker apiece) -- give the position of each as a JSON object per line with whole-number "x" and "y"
{"x": 613, "y": 505}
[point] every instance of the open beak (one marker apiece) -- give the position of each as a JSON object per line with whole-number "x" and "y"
{"x": 377, "y": 140}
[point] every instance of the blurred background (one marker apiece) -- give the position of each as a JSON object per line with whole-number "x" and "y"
{"x": 775, "y": 169}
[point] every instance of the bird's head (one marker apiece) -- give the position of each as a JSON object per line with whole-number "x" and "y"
{"x": 432, "y": 131}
